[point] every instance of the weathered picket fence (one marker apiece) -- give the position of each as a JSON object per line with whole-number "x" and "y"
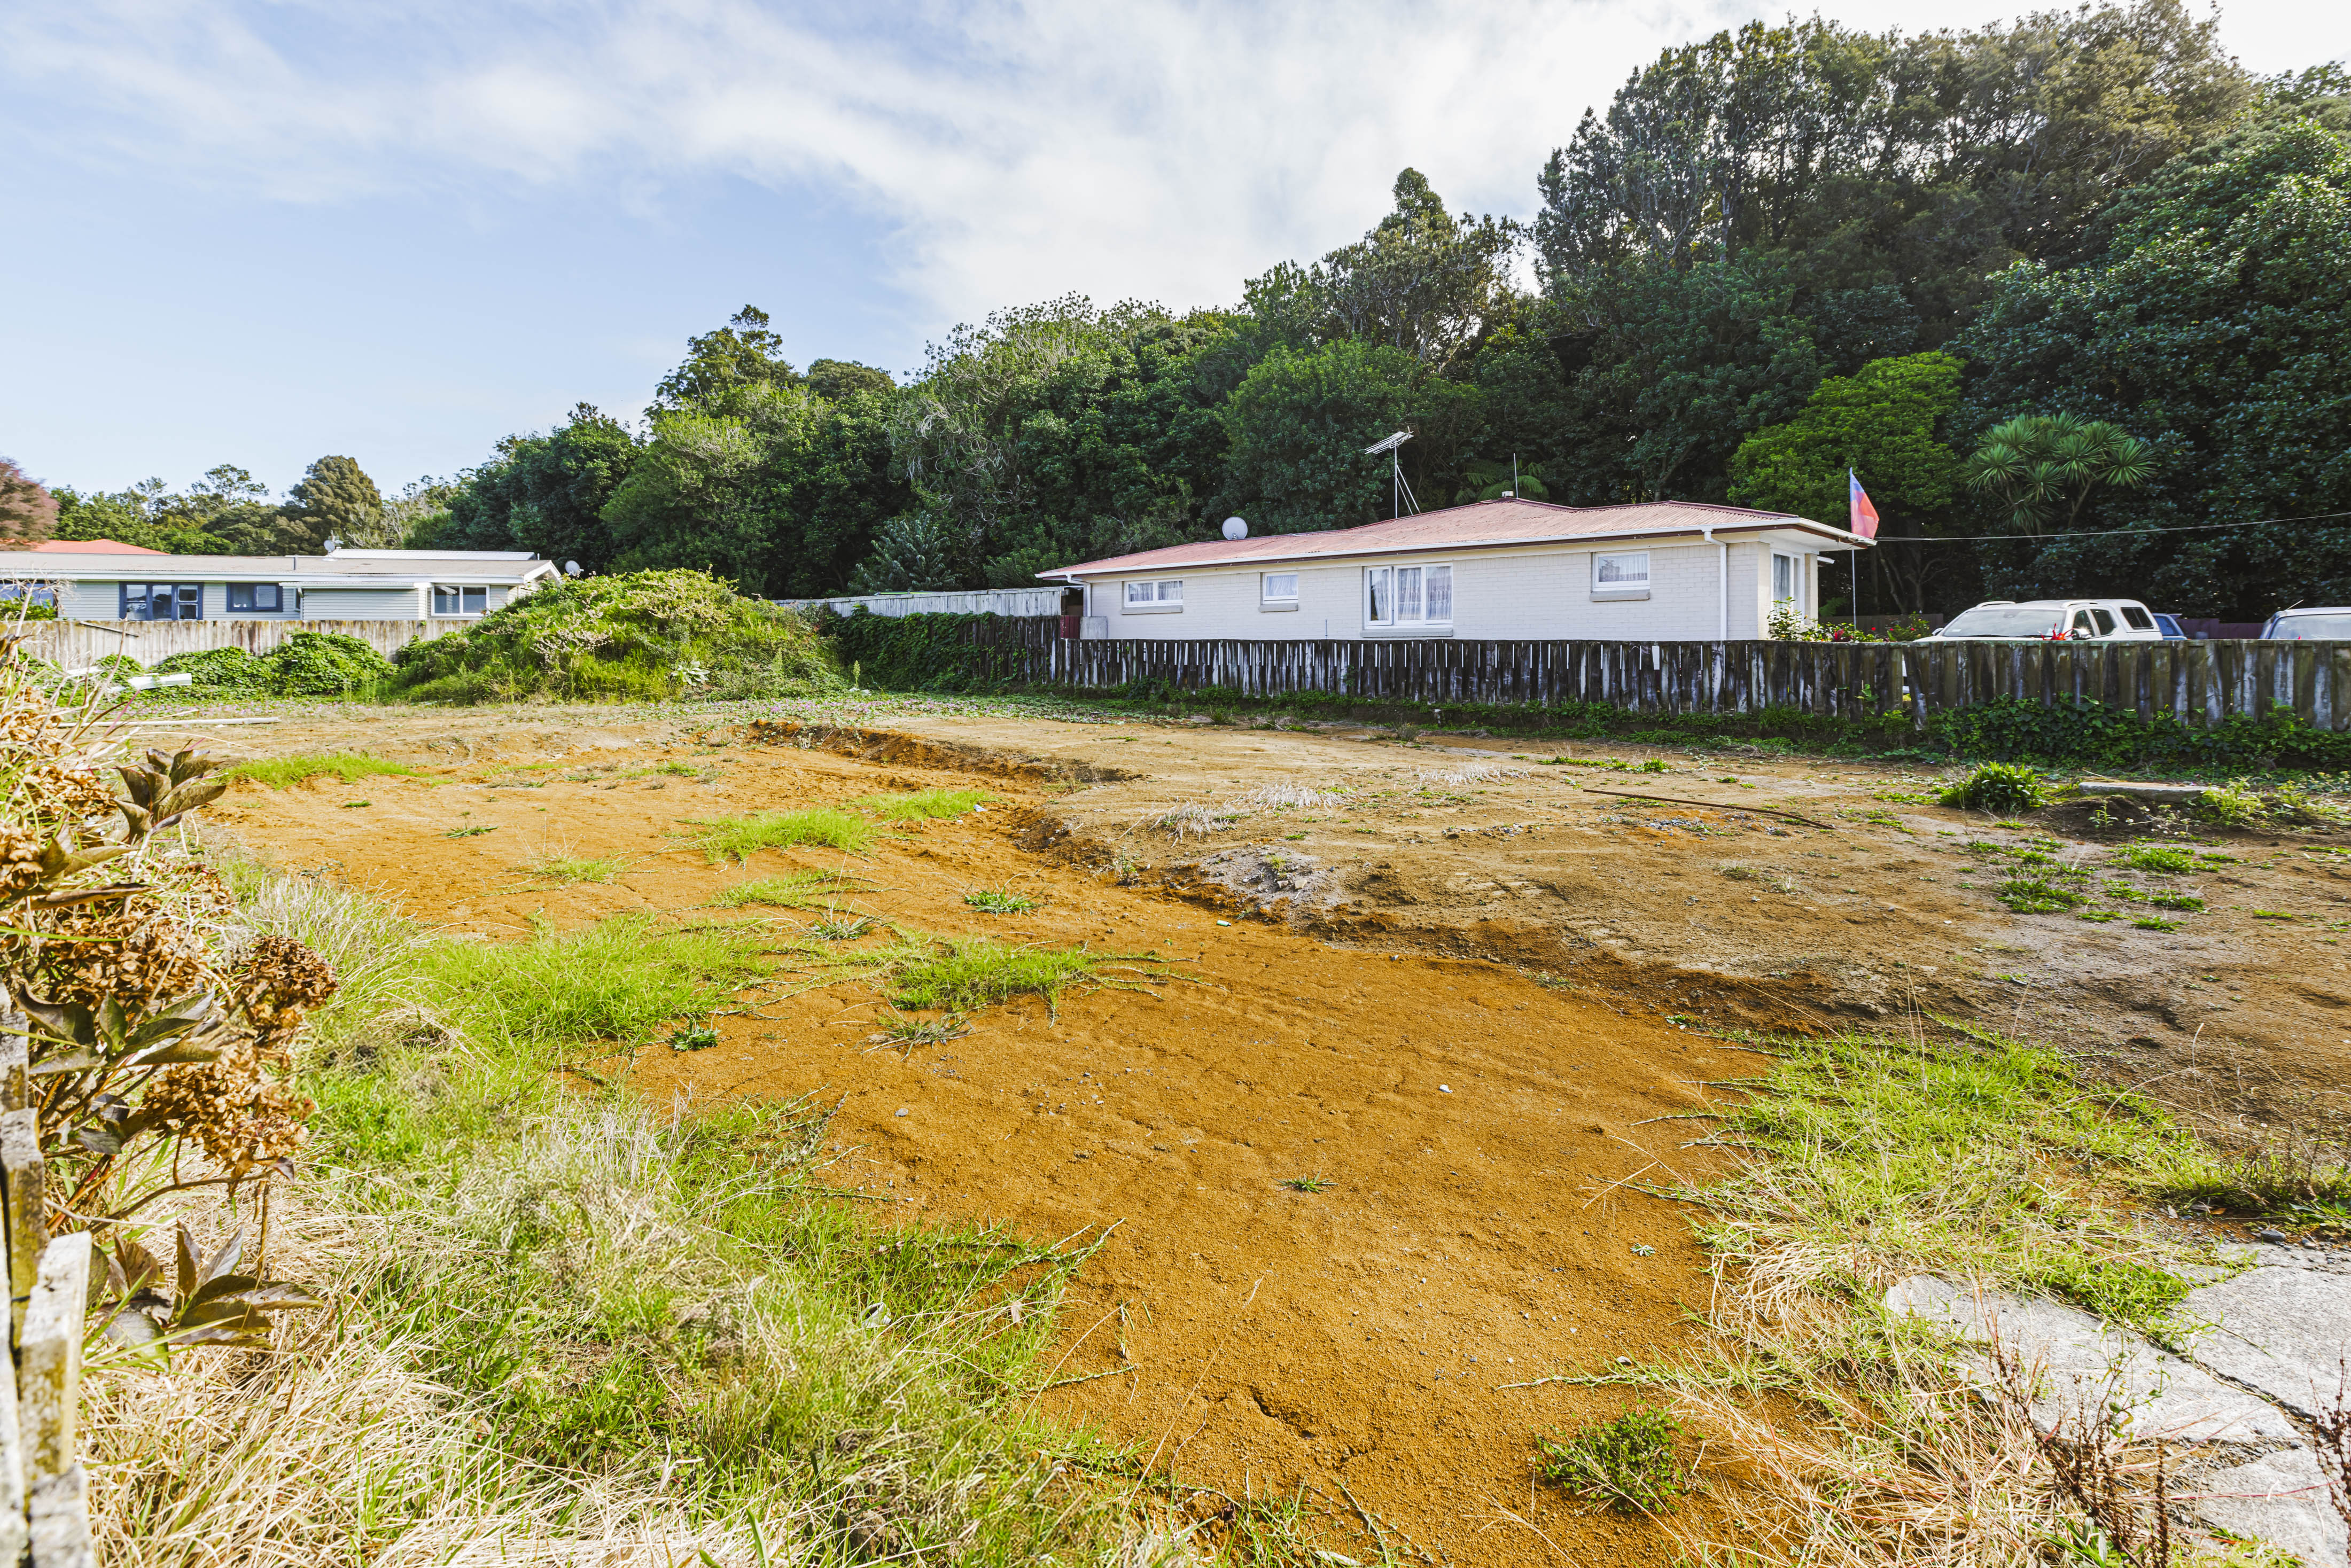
{"x": 2200, "y": 682}
{"x": 77, "y": 644}
{"x": 43, "y": 1492}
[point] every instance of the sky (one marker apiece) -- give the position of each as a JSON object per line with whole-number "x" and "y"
{"x": 261, "y": 231}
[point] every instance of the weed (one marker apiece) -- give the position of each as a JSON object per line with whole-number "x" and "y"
{"x": 694, "y": 1040}
{"x": 562, "y": 867}
{"x": 618, "y": 980}
{"x": 1196, "y": 819}
{"x": 2167, "y": 860}
{"x": 1626, "y": 1464}
{"x": 740, "y": 837}
{"x": 839, "y": 927}
{"x": 1306, "y": 1184}
{"x": 2036, "y": 895}
{"x": 467, "y": 832}
{"x": 344, "y": 767}
{"x": 2232, "y": 805}
{"x": 900, "y": 1029}
{"x": 1999, "y": 786}
{"x": 2187, "y": 901}
{"x": 355, "y": 805}
{"x": 793, "y": 890}
{"x": 964, "y": 973}
{"x": 1000, "y": 901}
{"x": 922, "y": 804}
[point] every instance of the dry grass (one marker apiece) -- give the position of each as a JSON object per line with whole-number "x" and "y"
{"x": 1195, "y": 820}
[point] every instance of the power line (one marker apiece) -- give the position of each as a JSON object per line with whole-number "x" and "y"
{"x": 2102, "y": 534}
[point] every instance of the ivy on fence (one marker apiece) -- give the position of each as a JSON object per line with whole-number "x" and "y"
{"x": 933, "y": 653}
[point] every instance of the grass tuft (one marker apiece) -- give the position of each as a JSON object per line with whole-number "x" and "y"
{"x": 1626, "y": 1464}
{"x": 964, "y": 973}
{"x": 562, "y": 867}
{"x": 1000, "y": 901}
{"x": 344, "y": 767}
{"x": 922, "y": 804}
{"x": 1306, "y": 1184}
{"x": 740, "y": 837}
{"x": 793, "y": 890}
{"x": 619, "y": 980}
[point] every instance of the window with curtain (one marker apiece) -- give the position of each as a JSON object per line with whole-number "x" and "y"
{"x": 1397, "y": 596}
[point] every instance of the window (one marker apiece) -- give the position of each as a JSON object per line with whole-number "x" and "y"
{"x": 2136, "y": 619}
{"x": 2105, "y": 621}
{"x": 1168, "y": 595}
{"x": 1783, "y": 578}
{"x": 1408, "y": 596}
{"x": 255, "y": 596}
{"x": 1621, "y": 575}
{"x": 452, "y": 600}
{"x": 162, "y": 602}
{"x": 2082, "y": 627}
{"x": 1280, "y": 588}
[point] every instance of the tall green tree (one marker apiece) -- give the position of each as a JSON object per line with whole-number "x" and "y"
{"x": 335, "y": 500}
{"x": 546, "y": 494}
{"x": 2039, "y": 466}
{"x": 27, "y": 511}
{"x": 746, "y": 351}
{"x": 1883, "y": 425}
{"x": 2214, "y": 328}
{"x": 1299, "y": 425}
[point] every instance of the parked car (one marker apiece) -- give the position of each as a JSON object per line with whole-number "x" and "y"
{"x": 2299, "y": 625}
{"x": 2055, "y": 621}
{"x": 2170, "y": 626}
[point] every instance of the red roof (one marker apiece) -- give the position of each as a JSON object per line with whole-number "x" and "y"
{"x": 92, "y": 547}
{"x": 1512, "y": 522}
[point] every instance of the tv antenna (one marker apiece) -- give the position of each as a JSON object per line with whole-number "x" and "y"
{"x": 1403, "y": 492}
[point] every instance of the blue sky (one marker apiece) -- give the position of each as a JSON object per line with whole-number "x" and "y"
{"x": 260, "y": 232}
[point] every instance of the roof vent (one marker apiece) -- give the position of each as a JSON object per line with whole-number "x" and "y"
{"x": 1236, "y": 528}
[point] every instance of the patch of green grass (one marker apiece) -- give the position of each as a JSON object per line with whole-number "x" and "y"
{"x": 1987, "y": 1159}
{"x": 2037, "y": 895}
{"x": 2167, "y": 860}
{"x": 2004, "y": 787}
{"x": 1628, "y": 1464}
{"x": 964, "y": 973}
{"x": 2187, "y": 901}
{"x": 345, "y": 767}
{"x": 924, "y": 803}
{"x": 1306, "y": 1184}
{"x": 740, "y": 837}
{"x": 793, "y": 890}
{"x": 2152, "y": 923}
{"x": 467, "y": 832}
{"x": 837, "y": 927}
{"x": 1000, "y": 901}
{"x": 562, "y": 867}
{"x": 606, "y": 1287}
{"x": 2273, "y": 915}
{"x": 671, "y": 768}
{"x": 619, "y": 980}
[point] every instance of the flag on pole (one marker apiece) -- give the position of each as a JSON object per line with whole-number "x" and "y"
{"x": 1864, "y": 516}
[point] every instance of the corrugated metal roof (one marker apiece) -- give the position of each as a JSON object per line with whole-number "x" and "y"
{"x": 1479, "y": 524}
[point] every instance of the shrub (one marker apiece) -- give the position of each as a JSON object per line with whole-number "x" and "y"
{"x": 633, "y": 637}
{"x": 307, "y": 664}
{"x": 1626, "y": 1464}
{"x": 1999, "y": 786}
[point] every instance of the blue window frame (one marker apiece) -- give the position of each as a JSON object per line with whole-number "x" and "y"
{"x": 257, "y": 596}
{"x": 160, "y": 601}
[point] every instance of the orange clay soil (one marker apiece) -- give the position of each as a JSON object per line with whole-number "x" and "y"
{"x": 1480, "y": 1134}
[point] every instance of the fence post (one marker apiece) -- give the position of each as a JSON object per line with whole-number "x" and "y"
{"x": 48, "y": 1370}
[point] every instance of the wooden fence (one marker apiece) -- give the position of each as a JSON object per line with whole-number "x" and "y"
{"x": 43, "y": 1492}
{"x": 2200, "y": 682}
{"x": 77, "y": 644}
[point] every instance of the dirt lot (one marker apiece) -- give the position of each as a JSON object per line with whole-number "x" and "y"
{"x": 1449, "y": 978}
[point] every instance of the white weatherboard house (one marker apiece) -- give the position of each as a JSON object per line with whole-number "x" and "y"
{"x": 1512, "y": 569}
{"x": 346, "y": 585}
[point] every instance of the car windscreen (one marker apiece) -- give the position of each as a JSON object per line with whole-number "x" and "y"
{"x": 2298, "y": 628}
{"x": 2005, "y": 621}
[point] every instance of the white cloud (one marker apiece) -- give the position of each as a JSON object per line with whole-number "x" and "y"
{"x": 1159, "y": 148}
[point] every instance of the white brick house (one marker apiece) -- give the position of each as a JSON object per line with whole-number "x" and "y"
{"x": 1662, "y": 571}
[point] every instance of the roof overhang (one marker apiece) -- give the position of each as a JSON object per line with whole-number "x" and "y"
{"x": 1828, "y": 537}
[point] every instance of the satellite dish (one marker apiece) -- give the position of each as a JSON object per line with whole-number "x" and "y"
{"x": 333, "y": 544}
{"x": 572, "y": 569}
{"x": 1236, "y": 528}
